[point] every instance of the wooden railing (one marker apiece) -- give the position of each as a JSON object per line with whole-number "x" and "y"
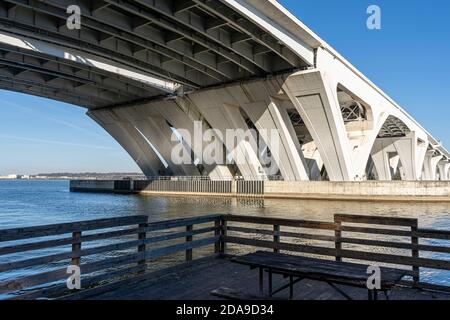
{"x": 393, "y": 241}
{"x": 112, "y": 249}
{"x": 105, "y": 250}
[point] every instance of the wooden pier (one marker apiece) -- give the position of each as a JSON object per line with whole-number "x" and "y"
{"x": 192, "y": 258}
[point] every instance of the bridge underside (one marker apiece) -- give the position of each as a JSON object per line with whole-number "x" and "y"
{"x": 168, "y": 79}
{"x": 194, "y": 44}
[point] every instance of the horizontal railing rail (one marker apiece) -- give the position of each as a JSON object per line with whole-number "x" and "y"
{"x": 61, "y": 228}
{"x": 279, "y": 221}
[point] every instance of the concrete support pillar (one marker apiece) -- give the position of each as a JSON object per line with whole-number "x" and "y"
{"x": 389, "y": 153}
{"x": 444, "y": 170}
{"x": 131, "y": 141}
{"x": 274, "y": 130}
{"x": 411, "y": 151}
{"x": 382, "y": 156}
{"x": 191, "y": 126}
{"x": 245, "y": 153}
{"x": 394, "y": 162}
{"x": 405, "y": 150}
{"x": 318, "y": 106}
{"x": 157, "y": 132}
{"x": 344, "y": 149}
{"x": 431, "y": 165}
{"x": 222, "y": 117}
{"x": 313, "y": 160}
{"x": 307, "y": 161}
{"x": 340, "y": 146}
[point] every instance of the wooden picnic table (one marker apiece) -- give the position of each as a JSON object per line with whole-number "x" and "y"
{"x": 298, "y": 268}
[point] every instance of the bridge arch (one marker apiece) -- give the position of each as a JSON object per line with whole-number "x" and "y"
{"x": 357, "y": 114}
{"x": 361, "y": 119}
{"x": 398, "y": 152}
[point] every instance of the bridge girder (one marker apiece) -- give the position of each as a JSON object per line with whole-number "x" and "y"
{"x": 193, "y": 47}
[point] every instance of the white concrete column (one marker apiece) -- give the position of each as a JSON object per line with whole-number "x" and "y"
{"x": 431, "y": 165}
{"x": 405, "y": 150}
{"x": 444, "y": 170}
{"x": 345, "y": 147}
{"x": 317, "y": 104}
{"x": 307, "y": 161}
{"x": 222, "y": 116}
{"x": 410, "y": 152}
{"x": 131, "y": 141}
{"x": 394, "y": 162}
{"x": 382, "y": 160}
{"x": 246, "y": 152}
{"x": 189, "y": 121}
{"x": 268, "y": 120}
{"x": 158, "y": 133}
{"x": 313, "y": 160}
{"x": 412, "y": 155}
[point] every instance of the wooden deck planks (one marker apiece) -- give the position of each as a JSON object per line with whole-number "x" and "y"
{"x": 195, "y": 281}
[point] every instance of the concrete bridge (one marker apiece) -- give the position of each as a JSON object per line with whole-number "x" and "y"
{"x": 147, "y": 70}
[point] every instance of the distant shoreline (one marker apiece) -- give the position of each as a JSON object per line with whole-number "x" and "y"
{"x": 75, "y": 176}
{"x": 41, "y": 179}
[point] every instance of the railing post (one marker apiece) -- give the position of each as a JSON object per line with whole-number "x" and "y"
{"x": 217, "y": 233}
{"x": 189, "y": 228}
{"x": 337, "y": 241}
{"x": 76, "y": 246}
{"x": 276, "y": 237}
{"x": 223, "y": 230}
{"x": 415, "y": 253}
{"x": 142, "y": 236}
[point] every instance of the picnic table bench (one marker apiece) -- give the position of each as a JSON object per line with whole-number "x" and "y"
{"x": 298, "y": 268}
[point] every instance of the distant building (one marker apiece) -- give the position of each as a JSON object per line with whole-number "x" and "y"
{"x": 10, "y": 177}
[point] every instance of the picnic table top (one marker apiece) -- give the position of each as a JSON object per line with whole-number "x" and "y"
{"x": 319, "y": 269}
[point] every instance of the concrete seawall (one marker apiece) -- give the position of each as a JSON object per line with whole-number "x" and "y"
{"x": 360, "y": 191}
{"x": 426, "y": 191}
{"x": 104, "y": 186}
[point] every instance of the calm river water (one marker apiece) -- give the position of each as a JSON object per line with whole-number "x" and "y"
{"x": 25, "y": 203}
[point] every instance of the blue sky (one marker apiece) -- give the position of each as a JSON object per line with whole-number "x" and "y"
{"x": 39, "y": 135}
{"x": 409, "y": 59}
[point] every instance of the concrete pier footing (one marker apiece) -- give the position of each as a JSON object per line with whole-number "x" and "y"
{"x": 420, "y": 191}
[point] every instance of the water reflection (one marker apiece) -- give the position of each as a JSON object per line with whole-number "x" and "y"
{"x": 25, "y": 203}
{"x": 429, "y": 214}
